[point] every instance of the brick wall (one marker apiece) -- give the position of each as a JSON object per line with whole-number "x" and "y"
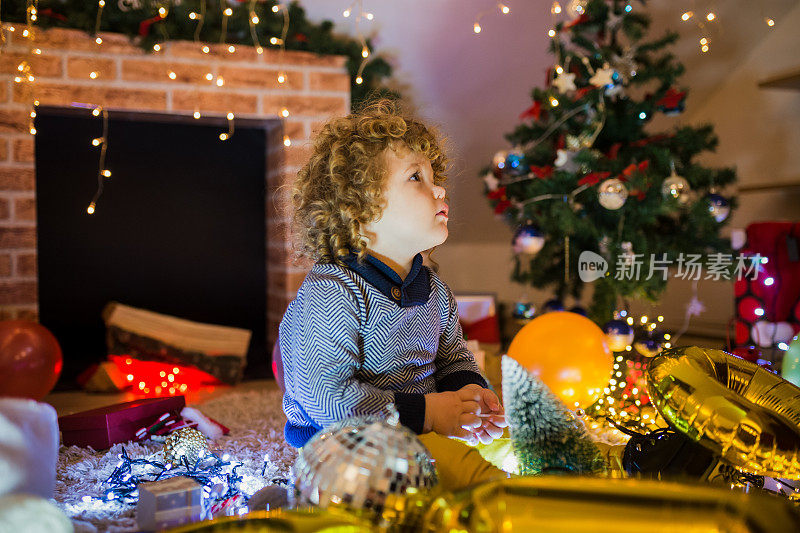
{"x": 316, "y": 88}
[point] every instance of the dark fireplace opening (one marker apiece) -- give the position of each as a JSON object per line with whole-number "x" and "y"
{"x": 180, "y": 228}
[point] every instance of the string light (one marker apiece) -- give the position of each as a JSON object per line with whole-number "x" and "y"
{"x": 556, "y": 8}
{"x": 710, "y": 17}
{"x": 287, "y": 141}
{"x": 102, "y": 172}
{"x": 687, "y": 15}
{"x": 769, "y": 22}
{"x": 551, "y": 33}
{"x": 253, "y": 21}
{"x": 476, "y": 28}
{"x": 358, "y": 6}
{"x": 229, "y": 134}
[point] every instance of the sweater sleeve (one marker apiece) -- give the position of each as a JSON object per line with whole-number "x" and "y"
{"x": 455, "y": 364}
{"x": 327, "y": 357}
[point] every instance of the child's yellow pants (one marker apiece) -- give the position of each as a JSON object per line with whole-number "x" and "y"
{"x": 460, "y": 465}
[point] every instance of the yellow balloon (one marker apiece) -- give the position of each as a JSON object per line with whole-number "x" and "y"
{"x": 568, "y": 352}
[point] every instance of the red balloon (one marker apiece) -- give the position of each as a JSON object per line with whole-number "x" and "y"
{"x": 30, "y": 359}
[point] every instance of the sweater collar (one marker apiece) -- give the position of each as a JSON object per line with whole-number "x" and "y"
{"x": 414, "y": 290}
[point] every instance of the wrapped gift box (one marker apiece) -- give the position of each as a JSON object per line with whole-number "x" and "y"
{"x": 102, "y": 428}
{"x": 168, "y": 503}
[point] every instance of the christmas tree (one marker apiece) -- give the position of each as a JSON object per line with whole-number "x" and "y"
{"x": 546, "y": 436}
{"x": 584, "y": 174}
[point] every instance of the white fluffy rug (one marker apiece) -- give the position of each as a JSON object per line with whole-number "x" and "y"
{"x": 256, "y": 421}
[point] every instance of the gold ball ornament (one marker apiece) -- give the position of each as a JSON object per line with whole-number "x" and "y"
{"x": 748, "y": 416}
{"x": 186, "y": 442}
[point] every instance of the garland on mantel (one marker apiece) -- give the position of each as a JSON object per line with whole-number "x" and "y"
{"x": 140, "y": 20}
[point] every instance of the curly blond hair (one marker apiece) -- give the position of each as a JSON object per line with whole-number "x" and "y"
{"x": 341, "y": 187}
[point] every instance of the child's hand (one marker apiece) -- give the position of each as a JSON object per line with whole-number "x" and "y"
{"x": 453, "y": 414}
{"x": 493, "y": 418}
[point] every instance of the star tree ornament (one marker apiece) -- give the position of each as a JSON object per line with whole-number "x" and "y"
{"x": 603, "y": 77}
{"x": 624, "y": 64}
{"x": 565, "y": 160}
{"x": 491, "y": 181}
{"x": 718, "y": 206}
{"x": 565, "y": 82}
{"x": 528, "y": 239}
{"x": 612, "y": 194}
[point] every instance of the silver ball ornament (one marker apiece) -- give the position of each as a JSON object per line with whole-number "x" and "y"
{"x": 612, "y": 194}
{"x": 676, "y": 187}
{"x": 364, "y": 465}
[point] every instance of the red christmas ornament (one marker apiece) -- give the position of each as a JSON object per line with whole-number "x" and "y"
{"x": 30, "y": 359}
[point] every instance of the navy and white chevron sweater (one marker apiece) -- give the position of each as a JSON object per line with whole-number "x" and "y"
{"x": 358, "y": 337}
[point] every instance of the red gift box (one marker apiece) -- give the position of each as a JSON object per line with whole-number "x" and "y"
{"x": 102, "y": 428}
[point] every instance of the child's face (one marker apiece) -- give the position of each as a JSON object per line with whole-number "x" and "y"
{"x": 415, "y": 216}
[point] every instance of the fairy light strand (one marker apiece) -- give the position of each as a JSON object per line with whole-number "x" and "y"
{"x": 102, "y": 172}
{"x": 200, "y": 17}
{"x": 24, "y": 69}
{"x": 253, "y": 19}
{"x": 365, "y": 52}
{"x": 476, "y": 26}
{"x": 281, "y": 61}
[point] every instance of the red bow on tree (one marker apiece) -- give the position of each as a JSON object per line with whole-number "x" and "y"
{"x": 639, "y": 194}
{"x": 593, "y": 178}
{"x": 671, "y": 99}
{"x": 580, "y": 20}
{"x": 542, "y": 172}
{"x": 503, "y": 203}
{"x": 580, "y": 93}
{"x": 533, "y": 111}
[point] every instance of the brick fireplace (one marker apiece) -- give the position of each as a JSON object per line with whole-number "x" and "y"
{"x": 316, "y": 88}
